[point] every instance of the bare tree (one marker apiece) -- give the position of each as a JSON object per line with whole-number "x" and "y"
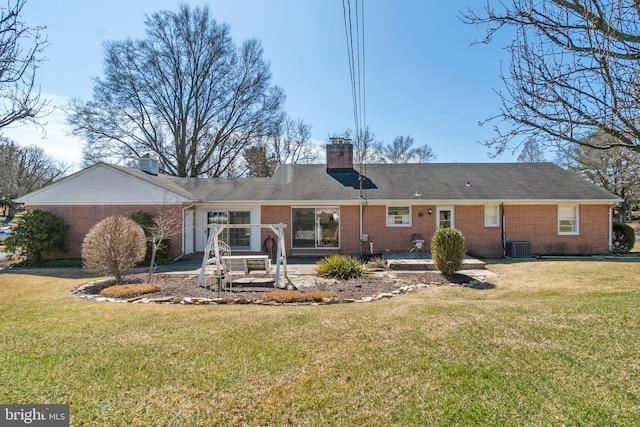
{"x": 23, "y": 170}
{"x": 402, "y": 150}
{"x": 616, "y": 170}
{"x": 258, "y": 162}
{"x": 21, "y": 49}
{"x": 366, "y": 148}
{"x": 164, "y": 227}
{"x": 291, "y": 142}
{"x": 531, "y": 152}
{"x": 185, "y": 94}
{"x": 288, "y": 142}
{"x": 425, "y": 154}
{"x": 574, "y": 71}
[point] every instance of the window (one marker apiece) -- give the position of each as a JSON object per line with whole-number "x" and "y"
{"x": 445, "y": 217}
{"x": 491, "y": 215}
{"x": 568, "y": 219}
{"x": 236, "y": 238}
{"x": 398, "y": 216}
{"x": 315, "y": 227}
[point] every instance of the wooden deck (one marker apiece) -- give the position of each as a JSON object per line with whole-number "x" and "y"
{"x": 421, "y": 260}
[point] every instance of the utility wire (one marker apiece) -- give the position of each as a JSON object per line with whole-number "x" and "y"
{"x": 356, "y": 57}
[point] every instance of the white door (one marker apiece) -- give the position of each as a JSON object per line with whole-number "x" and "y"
{"x": 445, "y": 217}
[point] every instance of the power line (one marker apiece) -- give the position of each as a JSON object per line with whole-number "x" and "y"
{"x": 356, "y": 59}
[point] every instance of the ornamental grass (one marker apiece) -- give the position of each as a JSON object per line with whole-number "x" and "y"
{"x": 282, "y": 296}
{"x": 125, "y": 291}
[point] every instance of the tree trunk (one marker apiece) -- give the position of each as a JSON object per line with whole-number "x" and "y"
{"x": 12, "y": 210}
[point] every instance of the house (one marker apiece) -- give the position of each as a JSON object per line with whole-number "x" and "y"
{"x": 344, "y": 208}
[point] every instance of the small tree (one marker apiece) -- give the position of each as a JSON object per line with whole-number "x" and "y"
{"x": 36, "y": 234}
{"x": 113, "y": 245}
{"x": 447, "y": 250}
{"x": 164, "y": 227}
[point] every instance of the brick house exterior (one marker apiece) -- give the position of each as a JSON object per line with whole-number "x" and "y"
{"x": 347, "y": 209}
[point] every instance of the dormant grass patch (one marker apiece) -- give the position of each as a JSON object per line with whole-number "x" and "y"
{"x": 284, "y": 296}
{"x": 551, "y": 343}
{"x": 129, "y": 290}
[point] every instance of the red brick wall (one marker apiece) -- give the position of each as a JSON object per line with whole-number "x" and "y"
{"x": 479, "y": 240}
{"x": 537, "y": 224}
{"x": 81, "y": 218}
{"x": 397, "y": 238}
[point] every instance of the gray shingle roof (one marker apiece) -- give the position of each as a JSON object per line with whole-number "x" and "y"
{"x": 433, "y": 181}
{"x": 440, "y": 181}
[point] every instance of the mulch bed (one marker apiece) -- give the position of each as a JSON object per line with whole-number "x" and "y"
{"x": 184, "y": 285}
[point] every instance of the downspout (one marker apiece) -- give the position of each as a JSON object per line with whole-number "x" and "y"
{"x": 361, "y": 215}
{"x": 610, "y": 229}
{"x": 502, "y": 233}
{"x": 184, "y": 237}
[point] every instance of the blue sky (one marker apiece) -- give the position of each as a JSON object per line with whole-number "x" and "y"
{"x": 423, "y": 77}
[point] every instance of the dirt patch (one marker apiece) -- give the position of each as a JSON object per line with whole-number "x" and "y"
{"x": 253, "y": 288}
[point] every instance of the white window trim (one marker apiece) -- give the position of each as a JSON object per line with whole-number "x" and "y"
{"x": 398, "y": 206}
{"x": 496, "y": 209}
{"x": 577, "y": 219}
{"x": 445, "y": 208}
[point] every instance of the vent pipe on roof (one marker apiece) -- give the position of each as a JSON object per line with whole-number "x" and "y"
{"x": 148, "y": 164}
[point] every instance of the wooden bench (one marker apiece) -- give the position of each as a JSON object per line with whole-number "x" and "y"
{"x": 247, "y": 263}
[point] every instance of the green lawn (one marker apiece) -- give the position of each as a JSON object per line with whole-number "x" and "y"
{"x": 552, "y": 343}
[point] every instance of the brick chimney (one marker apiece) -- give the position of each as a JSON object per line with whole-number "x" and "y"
{"x": 340, "y": 155}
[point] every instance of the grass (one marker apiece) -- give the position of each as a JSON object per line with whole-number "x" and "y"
{"x": 123, "y": 291}
{"x": 552, "y": 343}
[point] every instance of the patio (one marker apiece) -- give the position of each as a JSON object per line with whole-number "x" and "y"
{"x": 421, "y": 260}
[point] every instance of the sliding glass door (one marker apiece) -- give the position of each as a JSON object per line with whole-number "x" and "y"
{"x": 315, "y": 227}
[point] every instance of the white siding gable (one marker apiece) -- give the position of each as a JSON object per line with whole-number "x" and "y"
{"x": 101, "y": 185}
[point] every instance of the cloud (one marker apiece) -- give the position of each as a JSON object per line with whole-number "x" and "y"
{"x": 55, "y": 139}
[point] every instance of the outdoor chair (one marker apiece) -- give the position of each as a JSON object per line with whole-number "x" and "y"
{"x": 418, "y": 242}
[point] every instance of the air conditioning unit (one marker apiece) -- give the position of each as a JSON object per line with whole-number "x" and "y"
{"x": 518, "y": 249}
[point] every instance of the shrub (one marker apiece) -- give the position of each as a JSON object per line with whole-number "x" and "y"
{"x": 624, "y": 238}
{"x": 447, "y": 250}
{"x": 124, "y": 291}
{"x": 36, "y": 234}
{"x": 283, "y": 296}
{"x": 113, "y": 245}
{"x": 52, "y": 263}
{"x": 340, "y": 267}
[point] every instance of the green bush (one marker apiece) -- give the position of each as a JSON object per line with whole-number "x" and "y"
{"x": 340, "y": 267}
{"x": 36, "y": 234}
{"x": 624, "y": 238}
{"x": 447, "y": 250}
{"x": 51, "y": 263}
